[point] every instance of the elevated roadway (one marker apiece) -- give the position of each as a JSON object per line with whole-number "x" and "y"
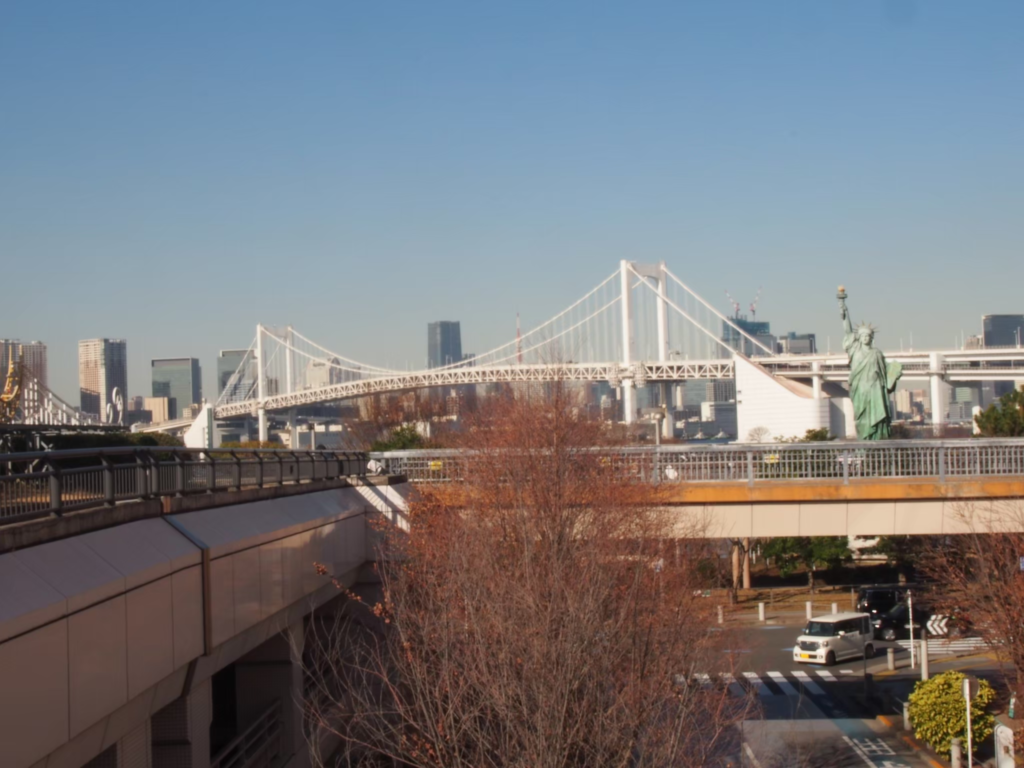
{"x": 155, "y": 607}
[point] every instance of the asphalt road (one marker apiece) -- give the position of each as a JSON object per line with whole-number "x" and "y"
{"x": 811, "y": 715}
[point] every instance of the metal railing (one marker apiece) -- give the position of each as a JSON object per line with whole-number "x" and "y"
{"x": 258, "y": 746}
{"x": 53, "y": 482}
{"x": 837, "y": 461}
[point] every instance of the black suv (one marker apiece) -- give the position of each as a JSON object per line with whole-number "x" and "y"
{"x": 878, "y": 600}
{"x": 892, "y": 625}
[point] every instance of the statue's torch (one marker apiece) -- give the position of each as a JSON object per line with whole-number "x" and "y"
{"x": 841, "y": 295}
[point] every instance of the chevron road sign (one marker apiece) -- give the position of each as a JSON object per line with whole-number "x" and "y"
{"x": 937, "y": 624}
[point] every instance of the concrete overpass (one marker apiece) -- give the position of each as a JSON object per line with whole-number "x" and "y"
{"x": 156, "y": 602}
{"x": 837, "y": 488}
{"x": 163, "y": 622}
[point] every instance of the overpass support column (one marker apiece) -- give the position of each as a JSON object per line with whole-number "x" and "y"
{"x": 262, "y": 416}
{"x": 293, "y": 430}
{"x": 181, "y": 730}
{"x": 939, "y": 392}
{"x": 816, "y": 379}
{"x": 272, "y": 674}
{"x": 628, "y": 402}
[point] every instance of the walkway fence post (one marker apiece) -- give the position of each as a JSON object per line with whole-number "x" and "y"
{"x": 890, "y": 658}
{"x": 810, "y": 609}
{"x": 760, "y": 611}
{"x": 721, "y": 615}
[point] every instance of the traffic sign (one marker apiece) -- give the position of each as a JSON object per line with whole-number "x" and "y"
{"x": 937, "y": 624}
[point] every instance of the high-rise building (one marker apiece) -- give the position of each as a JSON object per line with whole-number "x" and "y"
{"x": 31, "y": 354}
{"x": 760, "y": 330}
{"x": 798, "y": 344}
{"x": 228, "y": 363}
{"x": 444, "y": 343}
{"x": 1003, "y": 330}
{"x": 904, "y": 402}
{"x": 102, "y": 368}
{"x": 325, "y": 373}
{"x": 158, "y": 407}
{"x": 180, "y": 379}
{"x": 720, "y": 391}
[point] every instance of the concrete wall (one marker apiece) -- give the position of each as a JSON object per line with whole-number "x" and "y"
{"x": 848, "y": 518}
{"x": 100, "y": 631}
{"x": 782, "y": 407}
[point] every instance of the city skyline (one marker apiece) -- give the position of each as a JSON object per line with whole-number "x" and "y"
{"x": 216, "y": 374}
{"x": 478, "y": 163}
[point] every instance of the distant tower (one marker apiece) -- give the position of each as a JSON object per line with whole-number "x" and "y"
{"x": 102, "y": 367}
{"x": 444, "y": 343}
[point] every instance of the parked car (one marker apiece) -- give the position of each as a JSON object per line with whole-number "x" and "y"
{"x": 834, "y": 637}
{"x": 892, "y": 625}
{"x": 876, "y": 600}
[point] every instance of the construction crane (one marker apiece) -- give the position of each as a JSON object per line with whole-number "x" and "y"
{"x": 735, "y": 306}
{"x": 753, "y": 304}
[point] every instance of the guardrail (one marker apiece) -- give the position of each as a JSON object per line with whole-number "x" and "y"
{"x": 839, "y": 461}
{"x": 53, "y": 482}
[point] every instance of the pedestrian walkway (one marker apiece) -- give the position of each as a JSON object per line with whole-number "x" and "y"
{"x": 768, "y": 684}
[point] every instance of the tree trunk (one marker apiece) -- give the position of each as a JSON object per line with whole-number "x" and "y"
{"x": 746, "y": 563}
{"x": 810, "y": 579}
{"x": 735, "y": 564}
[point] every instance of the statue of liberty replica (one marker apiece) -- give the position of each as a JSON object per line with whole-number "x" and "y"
{"x": 871, "y": 379}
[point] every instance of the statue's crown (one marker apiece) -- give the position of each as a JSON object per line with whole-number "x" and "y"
{"x": 869, "y": 326}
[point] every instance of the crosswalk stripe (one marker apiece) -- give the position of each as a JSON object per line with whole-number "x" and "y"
{"x": 780, "y": 680}
{"x": 826, "y": 675}
{"x": 704, "y": 680}
{"x": 807, "y": 683}
{"x": 759, "y": 686}
{"x": 734, "y": 688}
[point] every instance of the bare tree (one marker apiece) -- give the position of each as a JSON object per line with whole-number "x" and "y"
{"x": 544, "y": 612}
{"x": 979, "y": 576}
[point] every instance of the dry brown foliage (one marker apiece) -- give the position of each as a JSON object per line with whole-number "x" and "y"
{"x": 543, "y": 616}
{"x": 978, "y": 576}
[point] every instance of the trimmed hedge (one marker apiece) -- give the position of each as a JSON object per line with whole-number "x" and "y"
{"x": 938, "y": 712}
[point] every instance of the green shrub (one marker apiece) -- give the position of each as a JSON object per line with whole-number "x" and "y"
{"x": 938, "y": 711}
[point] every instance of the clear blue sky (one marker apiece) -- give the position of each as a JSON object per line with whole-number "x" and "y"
{"x": 174, "y": 173}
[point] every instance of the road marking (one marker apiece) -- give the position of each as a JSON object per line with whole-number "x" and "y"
{"x": 865, "y": 747}
{"x": 826, "y": 675}
{"x": 734, "y": 688}
{"x": 780, "y": 680}
{"x": 806, "y": 682}
{"x": 760, "y": 687}
{"x": 859, "y": 754}
{"x": 847, "y": 672}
